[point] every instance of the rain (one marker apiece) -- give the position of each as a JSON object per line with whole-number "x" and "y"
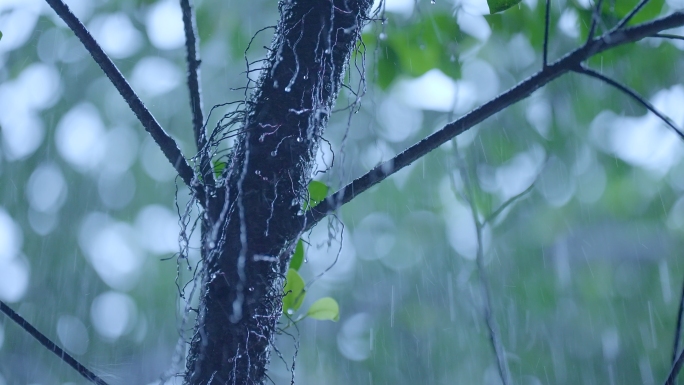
{"x": 541, "y": 244}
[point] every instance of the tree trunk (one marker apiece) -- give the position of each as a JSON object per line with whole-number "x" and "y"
{"x": 254, "y": 221}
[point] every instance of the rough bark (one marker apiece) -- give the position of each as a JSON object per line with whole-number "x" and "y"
{"x": 256, "y": 217}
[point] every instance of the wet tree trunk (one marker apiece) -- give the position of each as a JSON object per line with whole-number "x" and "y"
{"x": 254, "y": 219}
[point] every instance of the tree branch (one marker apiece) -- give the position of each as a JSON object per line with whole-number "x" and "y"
{"x": 194, "y": 88}
{"x": 488, "y": 311}
{"x": 668, "y": 36}
{"x": 255, "y": 226}
{"x": 491, "y": 217}
{"x": 595, "y": 18}
{"x": 676, "y": 367}
{"x": 569, "y": 62}
{"x": 631, "y": 14}
{"x": 547, "y": 21}
{"x": 678, "y": 328}
{"x": 589, "y": 72}
{"x": 51, "y": 346}
{"x": 165, "y": 142}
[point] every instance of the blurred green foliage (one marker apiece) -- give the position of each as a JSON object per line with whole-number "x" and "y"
{"x": 585, "y": 269}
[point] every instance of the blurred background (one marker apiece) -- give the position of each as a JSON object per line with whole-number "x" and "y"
{"x": 585, "y": 270}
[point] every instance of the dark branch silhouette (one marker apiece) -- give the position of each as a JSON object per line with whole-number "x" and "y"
{"x": 678, "y": 328}
{"x": 595, "y": 18}
{"x": 488, "y": 309}
{"x": 676, "y": 367}
{"x": 491, "y": 217}
{"x": 633, "y": 94}
{"x": 255, "y": 224}
{"x": 631, "y": 14}
{"x": 51, "y": 346}
{"x": 570, "y": 62}
{"x": 194, "y": 88}
{"x": 668, "y": 36}
{"x": 547, "y": 21}
{"x": 165, "y": 142}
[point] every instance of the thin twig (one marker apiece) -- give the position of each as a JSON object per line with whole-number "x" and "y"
{"x": 490, "y": 320}
{"x": 165, "y": 142}
{"x": 51, "y": 346}
{"x": 668, "y": 36}
{"x": 633, "y": 94}
{"x": 630, "y": 15}
{"x": 509, "y": 202}
{"x": 595, "y": 18}
{"x": 194, "y": 88}
{"x": 678, "y": 328}
{"x": 569, "y": 62}
{"x": 547, "y": 21}
{"x": 676, "y": 367}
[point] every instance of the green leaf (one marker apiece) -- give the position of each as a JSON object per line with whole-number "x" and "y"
{"x": 324, "y": 309}
{"x": 496, "y": 6}
{"x": 294, "y": 292}
{"x": 298, "y": 257}
{"x": 0, "y": 35}
{"x": 317, "y": 192}
{"x": 219, "y": 167}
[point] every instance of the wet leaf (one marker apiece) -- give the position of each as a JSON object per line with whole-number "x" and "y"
{"x": 496, "y": 6}
{"x": 298, "y": 257}
{"x": 324, "y": 309}
{"x": 317, "y": 192}
{"x": 294, "y": 292}
{"x": 219, "y": 167}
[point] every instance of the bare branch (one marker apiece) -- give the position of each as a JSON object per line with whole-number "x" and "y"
{"x": 51, "y": 346}
{"x": 490, "y": 320}
{"x": 633, "y": 94}
{"x": 194, "y": 88}
{"x": 676, "y": 367}
{"x": 631, "y": 14}
{"x": 595, "y": 18}
{"x": 165, "y": 142}
{"x": 509, "y": 202}
{"x": 547, "y": 21}
{"x": 678, "y": 328}
{"x": 668, "y": 36}
{"x": 569, "y": 62}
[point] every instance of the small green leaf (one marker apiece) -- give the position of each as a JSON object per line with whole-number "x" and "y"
{"x": 298, "y": 257}
{"x": 219, "y": 167}
{"x": 294, "y": 292}
{"x": 496, "y": 6}
{"x": 325, "y": 309}
{"x": 317, "y": 192}
{"x": 0, "y": 35}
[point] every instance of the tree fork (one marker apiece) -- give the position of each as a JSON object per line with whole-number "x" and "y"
{"x": 257, "y": 216}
